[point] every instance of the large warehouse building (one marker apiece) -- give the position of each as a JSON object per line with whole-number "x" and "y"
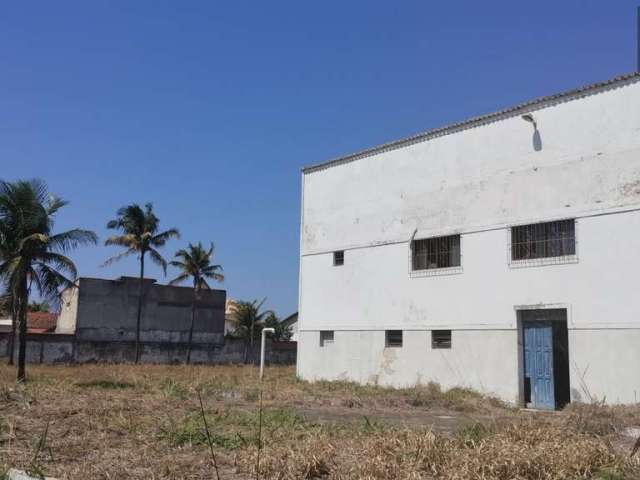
{"x": 500, "y": 253}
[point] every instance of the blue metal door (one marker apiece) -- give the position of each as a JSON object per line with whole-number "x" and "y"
{"x": 538, "y": 363}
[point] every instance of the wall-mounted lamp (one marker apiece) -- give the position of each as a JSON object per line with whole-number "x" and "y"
{"x": 537, "y": 139}
{"x": 527, "y": 117}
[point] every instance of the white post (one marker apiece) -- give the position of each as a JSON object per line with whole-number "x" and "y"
{"x": 264, "y": 334}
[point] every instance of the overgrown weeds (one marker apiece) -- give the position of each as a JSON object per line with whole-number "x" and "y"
{"x": 174, "y": 389}
{"x": 593, "y": 418}
{"x": 147, "y": 422}
{"x": 105, "y": 384}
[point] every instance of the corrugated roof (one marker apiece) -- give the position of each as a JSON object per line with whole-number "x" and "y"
{"x": 518, "y": 109}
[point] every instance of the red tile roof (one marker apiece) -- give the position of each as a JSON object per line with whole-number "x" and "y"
{"x": 41, "y": 322}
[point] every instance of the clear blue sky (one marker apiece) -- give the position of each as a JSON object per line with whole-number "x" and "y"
{"x": 209, "y": 109}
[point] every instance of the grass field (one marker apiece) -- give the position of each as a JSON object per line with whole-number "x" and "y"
{"x": 145, "y": 422}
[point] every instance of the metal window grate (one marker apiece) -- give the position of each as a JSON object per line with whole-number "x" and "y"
{"x": 441, "y": 339}
{"x": 338, "y": 258}
{"x": 393, "y": 338}
{"x": 326, "y": 336}
{"x": 543, "y": 240}
{"x": 438, "y": 252}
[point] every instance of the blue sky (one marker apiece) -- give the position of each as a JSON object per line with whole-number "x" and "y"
{"x": 209, "y": 109}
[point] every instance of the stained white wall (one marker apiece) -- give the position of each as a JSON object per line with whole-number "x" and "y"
{"x": 478, "y": 182}
{"x": 483, "y": 176}
{"x": 68, "y": 311}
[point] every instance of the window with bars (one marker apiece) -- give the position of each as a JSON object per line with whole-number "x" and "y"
{"x": 338, "y": 258}
{"x": 543, "y": 240}
{"x": 326, "y": 337}
{"x": 438, "y": 252}
{"x": 393, "y": 338}
{"x": 440, "y": 338}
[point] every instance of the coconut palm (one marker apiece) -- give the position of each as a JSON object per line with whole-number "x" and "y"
{"x": 7, "y": 249}
{"x": 281, "y": 332}
{"x": 140, "y": 236}
{"x": 32, "y": 256}
{"x": 195, "y": 263}
{"x": 248, "y": 320}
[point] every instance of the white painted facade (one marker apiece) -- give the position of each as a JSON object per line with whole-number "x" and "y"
{"x": 478, "y": 180}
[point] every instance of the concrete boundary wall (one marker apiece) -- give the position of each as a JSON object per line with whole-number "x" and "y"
{"x": 67, "y": 349}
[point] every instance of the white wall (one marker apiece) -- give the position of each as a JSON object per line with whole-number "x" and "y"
{"x": 478, "y": 182}
{"x": 484, "y": 176}
{"x": 483, "y": 360}
{"x": 67, "y": 319}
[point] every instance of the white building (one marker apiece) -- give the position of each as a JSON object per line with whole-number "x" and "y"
{"x": 501, "y": 253}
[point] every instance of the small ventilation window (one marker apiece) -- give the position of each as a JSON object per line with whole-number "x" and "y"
{"x": 326, "y": 337}
{"x": 393, "y": 338}
{"x": 441, "y": 339}
{"x": 338, "y": 258}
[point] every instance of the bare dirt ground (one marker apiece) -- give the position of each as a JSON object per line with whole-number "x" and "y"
{"x": 145, "y": 422}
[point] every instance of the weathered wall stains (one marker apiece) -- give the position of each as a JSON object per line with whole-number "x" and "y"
{"x": 105, "y": 311}
{"x": 482, "y": 177}
{"x": 479, "y": 182}
{"x": 67, "y": 349}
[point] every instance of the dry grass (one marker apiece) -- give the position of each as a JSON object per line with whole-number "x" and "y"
{"x": 108, "y": 422}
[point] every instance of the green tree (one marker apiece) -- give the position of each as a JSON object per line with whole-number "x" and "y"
{"x": 282, "y": 332}
{"x": 248, "y": 320}
{"x": 32, "y": 256}
{"x": 139, "y": 228}
{"x": 195, "y": 263}
{"x": 39, "y": 306}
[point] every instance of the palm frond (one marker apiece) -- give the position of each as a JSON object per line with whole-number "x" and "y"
{"x": 72, "y": 239}
{"x": 34, "y": 237}
{"x": 218, "y": 277}
{"x": 54, "y": 204}
{"x": 160, "y": 239}
{"x": 158, "y": 259}
{"x": 119, "y": 257}
{"x": 180, "y": 279}
{"x": 177, "y": 264}
{"x": 60, "y": 262}
{"x": 50, "y": 282}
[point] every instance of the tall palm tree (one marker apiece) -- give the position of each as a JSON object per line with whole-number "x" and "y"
{"x": 195, "y": 263}
{"x": 8, "y": 247}
{"x": 248, "y": 320}
{"x": 140, "y": 236}
{"x": 33, "y": 256}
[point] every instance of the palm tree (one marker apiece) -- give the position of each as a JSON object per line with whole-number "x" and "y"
{"x": 8, "y": 246}
{"x": 140, "y": 236}
{"x": 195, "y": 263}
{"x": 281, "y": 332}
{"x": 32, "y": 256}
{"x": 248, "y": 320}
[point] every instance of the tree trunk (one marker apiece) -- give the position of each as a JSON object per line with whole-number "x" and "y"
{"x": 11, "y": 350}
{"x": 23, "y": 302}
{"x": 194, "y": 306}
{"x": 246, "y": 352}
{"x": 139, "y": 307}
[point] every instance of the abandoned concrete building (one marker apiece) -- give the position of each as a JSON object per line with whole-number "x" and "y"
{"x": 499, "y": 253}
{"x": 102, "y": 315}
{"x": 97, "y": 323}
